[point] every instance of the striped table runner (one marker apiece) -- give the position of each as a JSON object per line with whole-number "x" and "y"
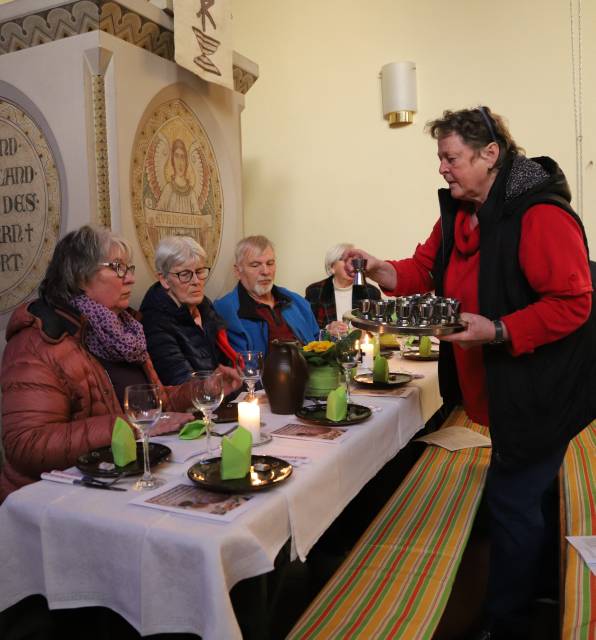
{"x": 396, "y": 581}
{"x": 579, "y": 488}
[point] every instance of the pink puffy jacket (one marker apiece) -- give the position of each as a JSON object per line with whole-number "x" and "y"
{"x": 57, "y": 399}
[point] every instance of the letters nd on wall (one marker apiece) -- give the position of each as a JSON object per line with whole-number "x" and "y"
{"x": 30, "y": 205}
{"x": 176, "y": 186}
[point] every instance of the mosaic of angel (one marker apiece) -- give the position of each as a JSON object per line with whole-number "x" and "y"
{"x": 178, "y": 179}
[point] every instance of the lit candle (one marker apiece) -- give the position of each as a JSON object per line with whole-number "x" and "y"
{"x": 249, "y": 417}
{"x": 367, "y": 352}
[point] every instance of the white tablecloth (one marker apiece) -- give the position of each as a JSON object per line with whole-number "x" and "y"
{"x": 430, "y": 398}
{"x": 166, "y": 572}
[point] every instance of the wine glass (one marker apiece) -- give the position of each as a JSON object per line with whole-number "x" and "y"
{"x": 250, "y": 366}
{"x": 142, "y": 403}
{"x": 348, "y": 357}
{"x": 206, "y": 395}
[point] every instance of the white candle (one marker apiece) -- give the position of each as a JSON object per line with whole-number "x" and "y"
{"x": 367, "y": 353}
{"x": 249, "y": 417}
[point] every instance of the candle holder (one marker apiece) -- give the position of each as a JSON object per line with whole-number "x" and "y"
{"x": 264, "y": 438}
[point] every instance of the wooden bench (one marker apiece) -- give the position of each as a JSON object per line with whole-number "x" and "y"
{"x": 578, "y": 518}
{"x": 396, "y": 581}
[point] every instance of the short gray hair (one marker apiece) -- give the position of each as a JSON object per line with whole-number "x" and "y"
{"x": 334, "y": 254}
{"x": 75, "y": 261}
{"x": 173, "y": 250}
{"x": 259, "y": 243}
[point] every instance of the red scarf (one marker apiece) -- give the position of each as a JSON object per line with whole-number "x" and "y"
{"x": 461, "y": 282}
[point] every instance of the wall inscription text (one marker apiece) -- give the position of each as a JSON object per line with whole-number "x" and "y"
{"x": 29, "y": 205}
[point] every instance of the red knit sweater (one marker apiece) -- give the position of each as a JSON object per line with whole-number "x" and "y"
{"x": 553, "y": 258}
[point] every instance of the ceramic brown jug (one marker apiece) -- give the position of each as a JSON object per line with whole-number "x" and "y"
{"x": 285, "y": 375}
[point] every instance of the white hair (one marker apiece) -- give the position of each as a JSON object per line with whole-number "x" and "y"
{"x": 334, "y": 254}
{"x": 260, "y": 243}
{"x": 174, "y": 250}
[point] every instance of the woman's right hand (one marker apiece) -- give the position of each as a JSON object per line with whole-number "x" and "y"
{"x": 349, "y": 254}
{"x": 378, "y": 270}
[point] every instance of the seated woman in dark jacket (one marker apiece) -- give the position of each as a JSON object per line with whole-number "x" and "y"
{"x": 184, "y": 332}
{"x": 332, "y": 297}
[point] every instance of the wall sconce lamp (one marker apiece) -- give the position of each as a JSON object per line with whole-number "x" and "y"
{"x": 398, "y": 88}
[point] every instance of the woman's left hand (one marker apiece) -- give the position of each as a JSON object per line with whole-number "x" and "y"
{"x": 231, "y": 379}
{"x": 479, "y": 330}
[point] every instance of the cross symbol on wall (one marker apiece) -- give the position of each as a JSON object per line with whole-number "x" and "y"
{"x": 29, "y": 230}
{"x": 204, "y": 12}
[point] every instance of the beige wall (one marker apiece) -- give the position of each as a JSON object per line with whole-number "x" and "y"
{"x": 321, "y": 166}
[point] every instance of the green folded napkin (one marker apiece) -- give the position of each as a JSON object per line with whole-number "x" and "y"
{"x": 425, "y": 346}
{"x": 380, "y": 369}
{"x": 124, "y": 447}
{"x": 192, "y": 430}
{"x": 236, "y": 454}
{"x": 337, "y": 404}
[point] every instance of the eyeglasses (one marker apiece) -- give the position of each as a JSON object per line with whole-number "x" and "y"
{"x": 487, "y": 122}
{"x": 186, "y": 276}
{"x": 120, "y": 269}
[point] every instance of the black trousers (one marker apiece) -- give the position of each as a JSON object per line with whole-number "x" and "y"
{"x": 523, "y": 519}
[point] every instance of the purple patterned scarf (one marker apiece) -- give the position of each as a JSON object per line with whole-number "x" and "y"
{"x": 112, "y": 336}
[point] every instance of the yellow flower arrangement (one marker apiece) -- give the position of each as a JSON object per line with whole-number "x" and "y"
{"x": 324, "y": 372}
{"x": 320, "y": 353}
{"x": 318, "y": 346}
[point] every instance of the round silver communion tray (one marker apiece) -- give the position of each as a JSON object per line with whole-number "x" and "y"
{"x": 379, "y": 326}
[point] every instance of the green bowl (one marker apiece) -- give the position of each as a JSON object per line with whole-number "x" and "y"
{"x": 322, "y": 380}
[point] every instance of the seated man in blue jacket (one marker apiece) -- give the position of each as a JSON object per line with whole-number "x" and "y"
{"x": 256, "y": 311}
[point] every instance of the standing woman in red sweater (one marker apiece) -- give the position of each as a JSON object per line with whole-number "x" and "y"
{"x": 509, "y": 246}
